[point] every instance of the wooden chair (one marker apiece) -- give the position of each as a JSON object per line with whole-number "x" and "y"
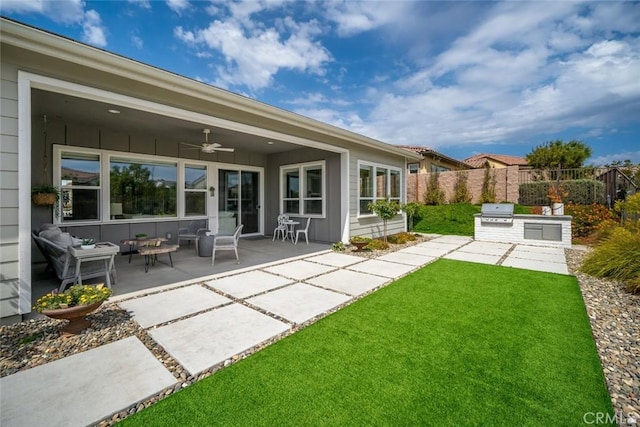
{"x": 227, "y": 243}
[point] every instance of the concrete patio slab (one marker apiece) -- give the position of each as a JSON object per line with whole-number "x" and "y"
{"x": 487, "y": 248}
{"x": 528, "y": 264}
{"x": 349, "y": 282}
{"x": 433, "y": 250}
{"x": 299, "y": 270}
{"x": 207, "y": 339}
{"x": 170, "y": 305}
{"x": 439, "y": 245}
{"x": 538, "y": 256}
{"x": 408, "y": 258}
{"x": 299, "y": 302}
{"x": 391, "y": 270}
{"x": 453, "y": 239}
{"x": 472, "y": 257}
{"x": 250, "y": 283}
{"x": 335, "y": 259}
{"x": 539, "y": 249}
{"x": 82, "y": 389}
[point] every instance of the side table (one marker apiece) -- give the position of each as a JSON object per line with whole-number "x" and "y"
{"x": 105, "y": 252}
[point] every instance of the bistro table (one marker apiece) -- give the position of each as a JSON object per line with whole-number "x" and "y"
{"x": 103, "y": 251}
{"x": 291, "y": 229}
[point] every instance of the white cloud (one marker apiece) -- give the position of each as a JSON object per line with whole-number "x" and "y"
{"x": 92, "y": 30}
{"x": 253, "y": 52}
{"x": 353, "y": 17}
{"x": 145, "y": 4}
{"x": 633, "y": 156}
{"x": 178, "y": 6}
{"x": 137, "y": 42}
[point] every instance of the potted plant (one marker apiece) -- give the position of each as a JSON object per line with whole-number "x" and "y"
{"x": 45, "y": 195}
{"x": 73, "y": 304}
{"x": 88, "y": 243}
{"x": 359, "y": 242}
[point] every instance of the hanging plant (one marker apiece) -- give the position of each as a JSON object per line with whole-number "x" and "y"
{"x": 45, "y": 195}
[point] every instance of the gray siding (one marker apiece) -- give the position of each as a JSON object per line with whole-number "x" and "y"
{"x": 321, "y": 229}
{"x": 9, "y": 255}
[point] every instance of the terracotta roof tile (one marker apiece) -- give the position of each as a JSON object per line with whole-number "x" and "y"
{"x": 479, "y": 160}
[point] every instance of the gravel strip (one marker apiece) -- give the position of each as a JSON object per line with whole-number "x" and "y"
{"x": 614, "y": 316}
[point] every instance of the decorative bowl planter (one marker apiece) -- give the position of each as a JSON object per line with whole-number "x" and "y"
{"x": 359, "y": 245}
{"x": 75, "y": 315}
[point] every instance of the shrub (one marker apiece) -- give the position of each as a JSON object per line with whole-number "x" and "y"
{"x": 629, "y": 209}
{"x": 586, "y": 218}
{"x": 434, "y": 195}
{"x": 376, "y": 244}
{"x": 460, "y": 189}
{"x": 412, "y": 210}
{"x": 578, "y": 191}
{"x": 617, "y": 257}
{"x": 338, "y": 247}
{"x": 401, "y": 238}
{"x": 488, "y": 194}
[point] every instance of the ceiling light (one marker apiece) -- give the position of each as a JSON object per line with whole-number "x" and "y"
{"x": 270, "y": 142}
{"x": 114, "y": 111}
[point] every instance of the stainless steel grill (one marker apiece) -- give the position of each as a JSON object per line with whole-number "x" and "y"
{"x": 497, "y": 213}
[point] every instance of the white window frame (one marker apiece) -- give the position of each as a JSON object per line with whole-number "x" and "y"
{"x": 374, "y": 167}
{"x": 186, "y": 190}
{"x": 302, "y": 167}
{"x": 105, "y": 184}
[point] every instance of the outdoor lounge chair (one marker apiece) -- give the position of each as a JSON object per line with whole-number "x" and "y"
{"x": 227, "y": 243}
{"x": 64, "y": 265}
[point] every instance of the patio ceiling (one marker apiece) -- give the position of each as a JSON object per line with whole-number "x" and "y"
{"x": 67, "y": 108}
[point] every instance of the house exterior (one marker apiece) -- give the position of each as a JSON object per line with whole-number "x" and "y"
{"x": 432, "y": 161}
{"x": 116, "y": 136}
{"x": 496, "y": 161}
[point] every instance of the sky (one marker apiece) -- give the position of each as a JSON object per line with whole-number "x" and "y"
{"x": 459, "y": 77}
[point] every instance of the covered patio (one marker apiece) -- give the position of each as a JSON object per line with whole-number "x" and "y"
{"x": 187, "y": 266}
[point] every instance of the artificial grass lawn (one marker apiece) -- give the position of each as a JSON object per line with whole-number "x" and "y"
{"x": 454, "y": 219}
{"x": 453, "y": 344}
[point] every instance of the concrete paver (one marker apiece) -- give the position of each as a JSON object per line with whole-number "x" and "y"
{"x": 408, "y": 258}
{"x": 435, "y": 250}
{"x": 528, "y": 264}
{"x": 391, "y": 270}
{"x": 349, "y": 282}
{"x": 82, "y": 389}
{"x": 250, "y": 283}
{"x": 335, "y": 259}
{"x": 473, "y": 257}
{"x": 299, "y": 302}
{"x": 536, "y": 256}
{"x": 164, "y": 306}
{"x": 299, "y": 270}
{"x": 452, "y": 239}
{"x": 202, "y": 341}
{"x": 487, "y": 248}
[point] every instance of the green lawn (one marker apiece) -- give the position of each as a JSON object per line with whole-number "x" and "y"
{"x": 456, "y": 219}
{"x": 453, "y": 344}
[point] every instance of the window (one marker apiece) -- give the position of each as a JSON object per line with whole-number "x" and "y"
{"x": 79, "y": 186}
{"x": 438, "y": 168}
{"x": 302, "y": 189}
{"x": 387, "y": 184}
{"x": 414, "y": 167}
{"x": 144, "y": 188}
{"x": 195, "y": 190}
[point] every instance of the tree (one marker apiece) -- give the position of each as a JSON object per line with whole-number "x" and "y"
{"x": 558, "y": 154}
{"x": 460, "y": 189}
{"x": 434, "y": 195}
{"x": 488, "y": 194}
{"x": 386, "y": 209}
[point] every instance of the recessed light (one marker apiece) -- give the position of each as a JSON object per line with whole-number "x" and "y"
{"x": 270, "y": 142}
{"x": 114, "y": 111}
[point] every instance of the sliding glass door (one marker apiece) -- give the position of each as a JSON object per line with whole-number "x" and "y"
{"x": 238, "y": 201}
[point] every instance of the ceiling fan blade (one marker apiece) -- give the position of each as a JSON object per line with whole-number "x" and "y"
{"x": 230, "y": 150}
{"x": 191, "y": 145}
{"x": 214, "y": 149}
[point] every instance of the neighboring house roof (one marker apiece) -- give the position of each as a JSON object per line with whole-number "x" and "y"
{"x": 431, "y": 153}
{"x": 479, "y": 160}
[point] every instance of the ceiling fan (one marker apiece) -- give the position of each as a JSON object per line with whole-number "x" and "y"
{"x": 208, "y": 147}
